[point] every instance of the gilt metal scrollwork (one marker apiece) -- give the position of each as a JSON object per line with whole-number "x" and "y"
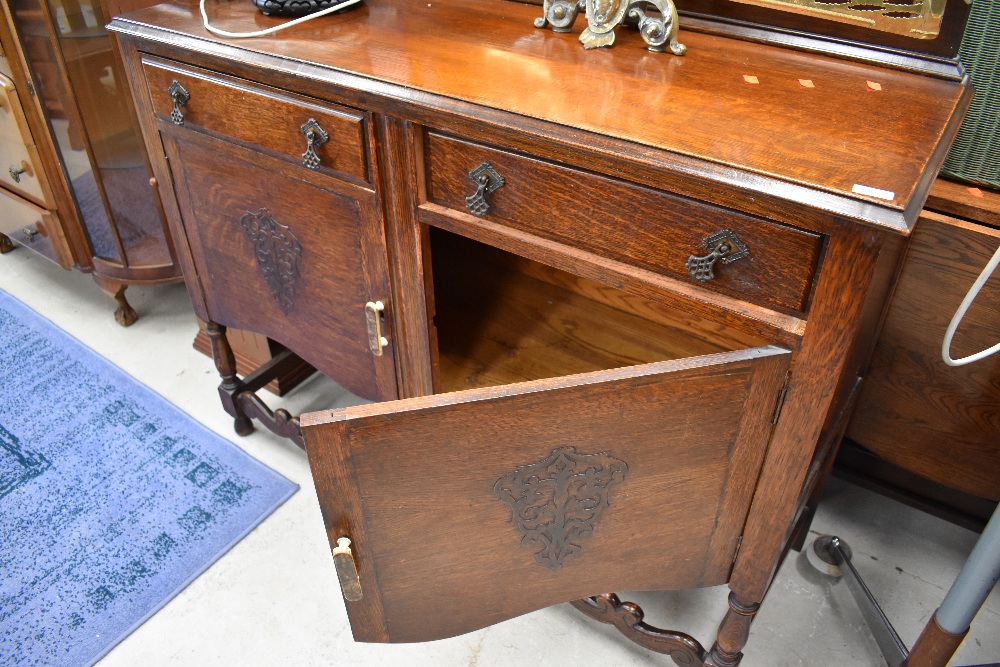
{"x": 487, "y": 180}
{"x": 180, "y": 96}
{"x": 603, "y": 16}
{"x": 556, "y": 502}
{"x": 723, "y": 246}
{"x": 560, "y": 14}
{"x": 315, "y": 136}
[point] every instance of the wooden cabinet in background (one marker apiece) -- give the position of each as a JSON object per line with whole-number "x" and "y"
{"x": 923, "y": 430}
{"x": 76, "y": 185}
{"x": 623, "y": 298}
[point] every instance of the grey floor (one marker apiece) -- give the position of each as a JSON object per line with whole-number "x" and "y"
{"x": 274, "y": 599}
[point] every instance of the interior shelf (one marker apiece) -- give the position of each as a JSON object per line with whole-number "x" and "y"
{"x": 501, "y": 318}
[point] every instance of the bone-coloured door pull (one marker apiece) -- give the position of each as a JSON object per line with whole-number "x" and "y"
{"x": 347, "y": 571}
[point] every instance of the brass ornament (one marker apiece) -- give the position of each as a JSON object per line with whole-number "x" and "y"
{"x": 603, "y": 16}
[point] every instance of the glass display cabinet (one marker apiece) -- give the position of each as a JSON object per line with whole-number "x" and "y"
{"x": 78, "y": 183}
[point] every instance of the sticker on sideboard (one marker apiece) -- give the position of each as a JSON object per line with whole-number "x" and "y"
{"x": 873, "y": 192}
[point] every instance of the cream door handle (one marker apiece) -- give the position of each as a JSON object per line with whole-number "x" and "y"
{"x": 374, "y": 311}
{"x": 347, "y": 571}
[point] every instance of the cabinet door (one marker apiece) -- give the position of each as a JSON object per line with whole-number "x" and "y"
{"x": 470, "y": 508}
{"x": 284, "y": 252}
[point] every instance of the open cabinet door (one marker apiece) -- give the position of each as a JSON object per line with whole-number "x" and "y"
{"x": 470, "y": 508}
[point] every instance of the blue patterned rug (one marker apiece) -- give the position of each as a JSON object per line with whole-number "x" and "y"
{"x": 111, "y": 499}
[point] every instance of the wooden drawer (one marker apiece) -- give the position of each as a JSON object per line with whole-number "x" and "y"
{"x": 626, "y": 222}
{"x": 19, "y": 170}
{"x": 31, "y": 226}
{"x": 262, "y": 118}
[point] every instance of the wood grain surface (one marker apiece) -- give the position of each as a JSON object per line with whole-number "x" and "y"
{"x": 635, "y": 225}
{"x": 412, "y": 484}
{"x": 340, "y": 269}
{"x": 833, "y": 136}
{"x": 498, "y": 322}
{"x": 267, "y": 119}
{"x": 940, "y": 422}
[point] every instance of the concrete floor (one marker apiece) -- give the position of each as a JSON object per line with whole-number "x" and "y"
{"x": 274, "y": 599}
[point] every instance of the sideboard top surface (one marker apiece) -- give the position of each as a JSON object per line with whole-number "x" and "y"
{"x": 831, "y": 133}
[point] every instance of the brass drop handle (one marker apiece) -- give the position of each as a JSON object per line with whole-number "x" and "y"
{"x": 347, "y": 571}
{"x": 180, "y": 96}
{"x": 315, "y": 136}
{"x": 374, "y": 311}
{"x": 29, "y": 234}
{"x": 723, "y": 246}
{"x": 487, "y": 180}
{"x": 16, "y": 170}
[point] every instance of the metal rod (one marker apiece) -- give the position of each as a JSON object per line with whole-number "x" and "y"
{"x": 889, "y": 643}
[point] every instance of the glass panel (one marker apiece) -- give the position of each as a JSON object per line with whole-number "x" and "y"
{"x": 91, "y": 116}
{"x": 920, "y": 19}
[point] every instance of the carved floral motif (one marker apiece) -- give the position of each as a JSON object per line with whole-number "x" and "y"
{"x": 556, "y": 502}
{"x": 278, "y": 254}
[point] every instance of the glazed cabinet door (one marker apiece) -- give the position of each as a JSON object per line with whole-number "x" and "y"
{"x": 282, "y": 222}
{"x": 453, "y": 512}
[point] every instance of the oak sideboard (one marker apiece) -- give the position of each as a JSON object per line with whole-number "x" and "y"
{"x": 612, "y": 306}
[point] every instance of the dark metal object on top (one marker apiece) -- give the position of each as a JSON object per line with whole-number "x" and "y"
{"x": 295, "y": 7}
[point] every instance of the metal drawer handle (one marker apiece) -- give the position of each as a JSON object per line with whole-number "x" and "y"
{"x": 347, "y": 571}
{"x": 374, "y": 310}
{"x": 16, "y": 170}
{"x": 724, "y": 246}
{"x": 487, "y": 180}
{"x": 315, "y": 136}
{"x": 180, "y": 98}
{"x": 29, "y": 234}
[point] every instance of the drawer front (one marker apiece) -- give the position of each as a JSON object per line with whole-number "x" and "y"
{"x": 30, "y": 226}
{"x": 18, "y": 171}
{"x": 622, "y": 221}
{"x": 265, "y": 119}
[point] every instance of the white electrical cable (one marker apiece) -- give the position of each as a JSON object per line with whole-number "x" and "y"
{"x": 268, "y": 31}
{"x": 960, "y": 313}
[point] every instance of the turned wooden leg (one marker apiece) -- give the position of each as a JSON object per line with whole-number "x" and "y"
{"x": 6, "y": 245}
{"x": 125, "y": 315}
{"x": 733, "y": 634}
{"x": 231, "y": 386}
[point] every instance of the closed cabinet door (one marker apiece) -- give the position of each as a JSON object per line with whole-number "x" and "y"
{"x": 296, "y": 256}
{"x": 452, "y": 512}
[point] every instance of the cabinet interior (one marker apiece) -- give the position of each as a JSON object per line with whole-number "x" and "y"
{"x": 500, "y": 318}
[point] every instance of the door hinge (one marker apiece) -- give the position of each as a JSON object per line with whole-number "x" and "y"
{"x": 781, "y": 399}
{"x": 31, "y": 89}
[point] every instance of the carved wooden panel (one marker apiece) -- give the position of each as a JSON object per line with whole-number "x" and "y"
{"x": 278, "y": 254}
{"x": 556, "y": 502}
